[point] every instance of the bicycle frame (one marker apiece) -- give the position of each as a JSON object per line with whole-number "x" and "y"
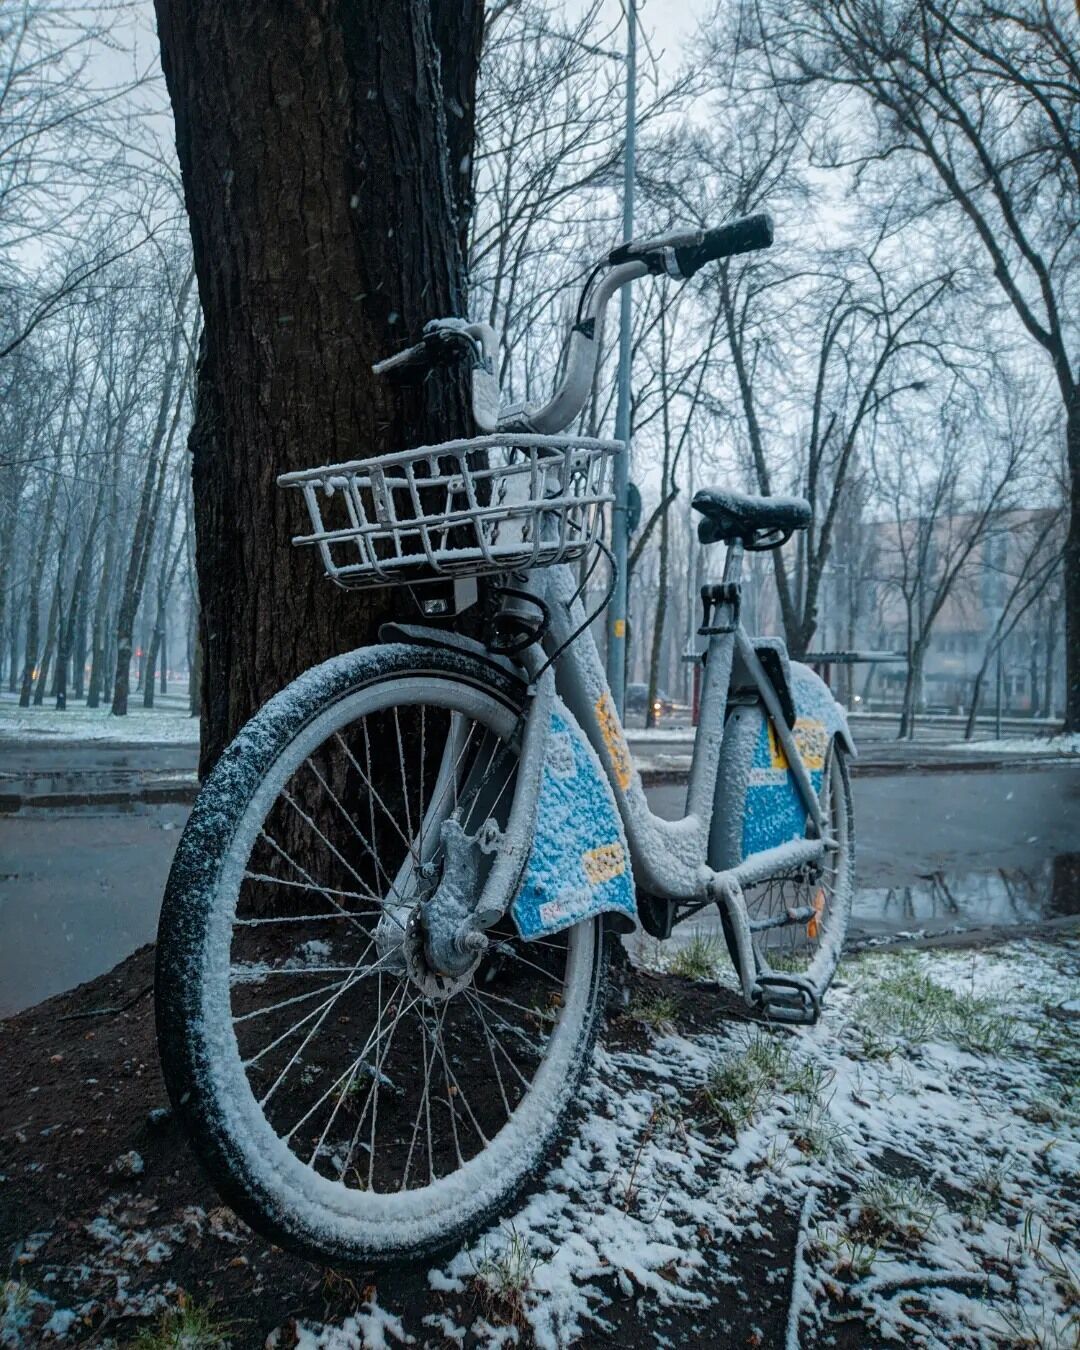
{"x": 670, "y": 859}
{"x": 669, "y": 856}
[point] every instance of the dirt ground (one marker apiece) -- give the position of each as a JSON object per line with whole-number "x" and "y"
{"x": 83, "y": 1093}
{"x": 106, "y": 1221}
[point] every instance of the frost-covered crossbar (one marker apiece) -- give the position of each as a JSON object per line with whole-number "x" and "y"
{"x": 463, "y": 508}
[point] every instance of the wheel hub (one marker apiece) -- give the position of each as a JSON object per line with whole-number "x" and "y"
{"x": 434, "y": 984}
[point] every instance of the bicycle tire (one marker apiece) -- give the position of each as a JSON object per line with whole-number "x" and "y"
{"x": 294, "y": 1205}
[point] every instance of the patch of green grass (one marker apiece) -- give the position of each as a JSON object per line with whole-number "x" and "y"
{"x": 853, "y": 1254}
{"x": 658, "y": 1013}
{"x": 814, "y": 1131}
{"x": 985, "y": 1192}
{"x": 904, "y": 1005}
{"x": 903, "y": 1206}
{"x": 787, "y": 964}
{"x": 698, "y": 959}
{"x": 737, "y": 1088}
{"x": 186, "y": 1327}
{"x": 740, "y": 1086}
{"x": 504, "y": 1277}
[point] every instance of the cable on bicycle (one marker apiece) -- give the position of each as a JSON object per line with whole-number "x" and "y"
{"x": 529, "y": 635}
{"x": 603, "y": 548}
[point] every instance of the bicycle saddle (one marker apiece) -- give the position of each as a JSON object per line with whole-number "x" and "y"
{"x": 734, "y": 515}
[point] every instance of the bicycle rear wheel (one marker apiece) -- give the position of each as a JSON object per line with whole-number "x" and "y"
{"x": 346, "y": 1100}
{"x": 822, "y": 892}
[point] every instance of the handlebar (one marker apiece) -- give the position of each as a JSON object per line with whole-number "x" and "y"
{"x": 739, "y": 236}
{"x": 679, "y": 254}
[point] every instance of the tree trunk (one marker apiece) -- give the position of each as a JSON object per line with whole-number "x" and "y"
{"x": 153, "y": 488}
{"x": 658, "y": 626}
{"x": 99, "y": 629}
{"x": 150, "y": 668}
{"x": 156, "y": 646}
{"x": 69, "y": 624}
{"x": 976, "y": 697}
{"x": 50, "y": 635}
{"x": 13, "y": 652}
{"x": 1071, "y": 563}
{"x": 319, "y": 176}
{"x": 33, "y": 603}
{"x": 911, "y": 694}
{"x": 1048, "y": 666}
{"x": 78, "y": 657}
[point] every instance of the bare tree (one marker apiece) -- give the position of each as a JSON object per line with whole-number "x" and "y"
{"x": 60, "y": 169}
{"x": 977, "y": 101}
{"x": 172, "y": 399}
{"x": 1032, "y": 561}
{"x": 941, "y": 508}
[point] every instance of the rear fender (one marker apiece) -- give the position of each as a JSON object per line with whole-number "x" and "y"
{"x": 758, "y": 805}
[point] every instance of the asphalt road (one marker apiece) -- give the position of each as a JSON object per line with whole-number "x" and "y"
{"x": 79, "y": 890}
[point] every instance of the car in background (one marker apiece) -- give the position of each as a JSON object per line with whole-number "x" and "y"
{"x": 637, "y": 700}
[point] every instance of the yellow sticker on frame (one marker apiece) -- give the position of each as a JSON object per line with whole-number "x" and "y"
{"x": 618, "y": 752}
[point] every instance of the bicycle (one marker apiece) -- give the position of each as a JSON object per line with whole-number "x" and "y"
{"x": 382, "y": 951}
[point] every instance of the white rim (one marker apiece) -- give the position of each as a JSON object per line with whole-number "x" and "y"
{"x": 329, "y": 1210}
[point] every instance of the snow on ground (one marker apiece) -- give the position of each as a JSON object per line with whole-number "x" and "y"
{"x": 924, "y": 1137}
{"x": 170, "y": 723}
{"x": 1024, "y": 745}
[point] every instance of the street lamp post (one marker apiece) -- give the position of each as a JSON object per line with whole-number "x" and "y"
{"x": 617, "y": 610}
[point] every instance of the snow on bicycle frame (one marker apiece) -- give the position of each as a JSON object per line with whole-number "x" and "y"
{"x": 524, "y": 500}
{"x": 489, "y": 506}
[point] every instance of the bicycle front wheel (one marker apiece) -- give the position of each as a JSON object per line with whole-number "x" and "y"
{"x": 346, "y": 1100}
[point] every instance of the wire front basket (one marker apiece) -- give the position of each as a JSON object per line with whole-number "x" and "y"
{"x": 463, "y": 508}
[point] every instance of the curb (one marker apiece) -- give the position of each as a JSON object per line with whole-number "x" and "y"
{"x": 183, "y": 791}
{"x": 157, "y": 794}
{"x": 656, "y": 777}
{"x": 990, "y": 935}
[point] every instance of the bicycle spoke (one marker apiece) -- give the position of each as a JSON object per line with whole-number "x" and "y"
{"x": 351, "y": 1056}
{"x": 404, "y": 776}
{"x": 356, "y": 830}
{"x": 274, "y": 1007}
{"x": 347, "y": 984}
{"x": 478, "y": 1012}
{"x": 409, "y": 843}
{"x": 514, "y": 1031}
{"x": 283, "y": 853}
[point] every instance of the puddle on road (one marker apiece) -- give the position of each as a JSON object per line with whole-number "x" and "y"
{"x": 971, "y": 900}
{"x": 938, "y": 903}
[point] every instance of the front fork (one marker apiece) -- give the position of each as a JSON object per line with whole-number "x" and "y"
{"x": 436, "y": 928}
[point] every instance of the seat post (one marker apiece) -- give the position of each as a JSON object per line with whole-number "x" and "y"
{"x": 733, "y": 562}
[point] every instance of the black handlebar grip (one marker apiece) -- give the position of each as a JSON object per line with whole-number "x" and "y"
{"x": 738, "y": 236}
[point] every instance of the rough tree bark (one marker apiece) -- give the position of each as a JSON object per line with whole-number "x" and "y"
{"x": 321, "y": 146}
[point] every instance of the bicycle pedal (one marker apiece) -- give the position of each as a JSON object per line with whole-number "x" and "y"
{"x": 788, "y": 998}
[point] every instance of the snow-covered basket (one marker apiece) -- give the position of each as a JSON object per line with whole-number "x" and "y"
{"x": 463, "y": 508}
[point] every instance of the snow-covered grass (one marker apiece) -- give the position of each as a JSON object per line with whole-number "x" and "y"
{"x": 924, "y": 1137}
{"x": 1024, "y": 745}
{"x": 907, "y": 1167}
{"x": 922, "y": 1253}
{"x": 169, "y": 723}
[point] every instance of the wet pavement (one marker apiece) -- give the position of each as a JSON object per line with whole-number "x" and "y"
{"x": 80, "y": 887}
